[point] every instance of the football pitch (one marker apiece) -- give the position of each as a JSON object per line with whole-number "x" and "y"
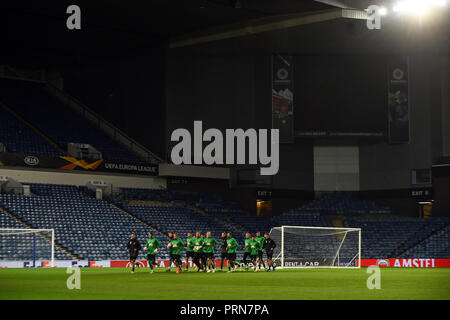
{"x": 119, "y": 283}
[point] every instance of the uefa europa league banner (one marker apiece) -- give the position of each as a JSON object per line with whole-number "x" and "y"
{"x": 398, "y": 100}
{"x": 73, "y": 164}
{"x": 283, "y": 96}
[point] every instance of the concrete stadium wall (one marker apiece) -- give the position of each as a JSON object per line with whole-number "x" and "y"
{"x": 81, "y": 178}
{"x": 384, "y": 166}
{"x": 229, "y": 92}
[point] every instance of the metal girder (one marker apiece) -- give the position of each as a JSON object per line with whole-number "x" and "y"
{"x": 264, "y": 25}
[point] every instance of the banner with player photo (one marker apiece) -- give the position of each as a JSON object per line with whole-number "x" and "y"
{"x": 283, "y": 96}
{"x": 398, "y": 104}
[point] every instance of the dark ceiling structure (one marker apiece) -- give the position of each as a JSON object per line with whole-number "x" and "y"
{"x": 34, "y": 33}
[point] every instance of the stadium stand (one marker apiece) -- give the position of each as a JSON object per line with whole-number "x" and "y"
{"x": 386, "y": 238}
{"x": 436, "y": 246}
{"x": 35, "y": 104}
{"x": 91, "y": 228}
{"x": 182, "y": 219}
{"x": 207, "y": 202}
{"x": 338, "y": 203}
{"x": 98, "y": 229}
{"x": 303, "y": 220}
{"x": 19, "y": 138}
{"x": 21, "y": 250}
{"x": 253, "y": 223}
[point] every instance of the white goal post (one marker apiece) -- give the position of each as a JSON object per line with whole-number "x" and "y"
{"x": 27, "y": 244}
{"x": 316, "y": 247}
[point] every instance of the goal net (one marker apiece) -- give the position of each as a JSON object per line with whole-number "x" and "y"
{"x": 32, "y": 245}
{"x": 316, "y": 247}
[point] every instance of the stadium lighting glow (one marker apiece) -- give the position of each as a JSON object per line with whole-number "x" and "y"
{"x": 418, "y": 7}
{"x": 383, "y": 11}
{"x": 440, "y": 3}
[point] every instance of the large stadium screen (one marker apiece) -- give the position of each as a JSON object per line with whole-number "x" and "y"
{"x": 340, "y": 93}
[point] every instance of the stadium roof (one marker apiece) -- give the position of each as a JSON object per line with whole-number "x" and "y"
{"x": 36, "y": 30}
{"x": 34, "y": 33}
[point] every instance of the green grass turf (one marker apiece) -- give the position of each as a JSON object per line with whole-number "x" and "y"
{"x": 118, "y": 283}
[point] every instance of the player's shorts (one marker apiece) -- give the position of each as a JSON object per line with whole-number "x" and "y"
{"x": 151, "y": 257}
{"x": 269, "y": 254}
{"x": 253, "y": 257}
{"x": 209, "y": 255}
{"x": 231, "y": 256}
{"x": 246, "y": 255}
{"x": 134, "y": 256}
{"x": 172, "y": 256}
{"x": 223, "y": 255}
{"x": 190, "y": 254}
{"x": 260, "y": 254}
{"x": 176, "y": 257}
{"x": 197, "y": 255}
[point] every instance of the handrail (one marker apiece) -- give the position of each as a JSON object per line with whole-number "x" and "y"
{"x": 106, "y": 126}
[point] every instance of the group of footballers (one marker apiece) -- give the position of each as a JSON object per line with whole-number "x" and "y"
{"x": 200, "y": 249}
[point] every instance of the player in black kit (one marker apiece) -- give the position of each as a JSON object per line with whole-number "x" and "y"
{"x": 268, "y": 246}
{"x": 133, "y": 247}
{"x": 223, "y": 248}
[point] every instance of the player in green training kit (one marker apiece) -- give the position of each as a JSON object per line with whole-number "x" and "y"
{"x": 209, "y": 244}
{"x": 255, "y": 247}
{"x": 170, "y": 235}
{"x": 232, "y": 246}
{"x": 203, "y": 255}
{"x": 189, "y": 249}
{"x": 247, "y": 250}
{"x": 176, "y": 246}
{"x": 260, "y": 239}
{"x": 198, "y": 251}
{"x": 151, "y": 247}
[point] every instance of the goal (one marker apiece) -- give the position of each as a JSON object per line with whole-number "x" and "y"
{"x": 316, "y": 247}
{"x": 33, "y": 245}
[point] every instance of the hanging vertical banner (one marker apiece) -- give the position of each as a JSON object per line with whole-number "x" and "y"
{"x": 283, "y": 96}
{"x": 398, "y": 100}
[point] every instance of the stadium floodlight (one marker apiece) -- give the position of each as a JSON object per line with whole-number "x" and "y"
{"x": 34, "y": 245}
{"x": 440, "y": 3}
{"x": 383, "y": 11}
{"x": 316, "y": 247}
{"x": 418, "y": 7}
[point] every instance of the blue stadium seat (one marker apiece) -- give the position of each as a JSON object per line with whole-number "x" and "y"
{"x": 35, "y": 104}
